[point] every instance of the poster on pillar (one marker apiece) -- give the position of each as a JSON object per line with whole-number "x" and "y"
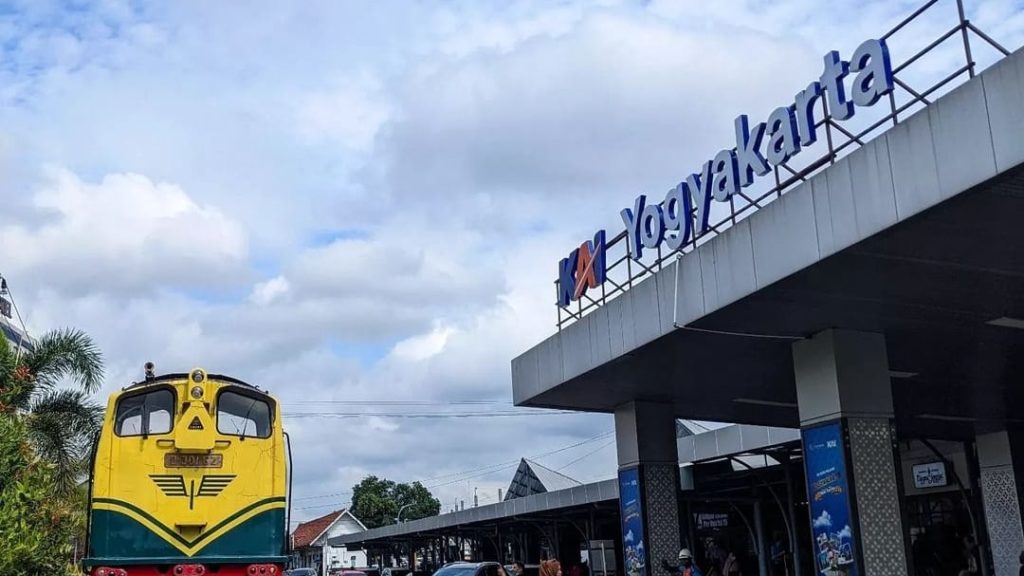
{"x": 828, "y": 494}
{"x": 631, "y": 509}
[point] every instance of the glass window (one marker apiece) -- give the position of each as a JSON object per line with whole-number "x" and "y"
{"x": 143, "y": 414}
{"x": 241, "y": 415}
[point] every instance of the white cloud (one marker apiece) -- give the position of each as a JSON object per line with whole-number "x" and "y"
{"x": 824, "y": 520}
{"x": 423, "y": 346}
{"x": 264, "y": 293}
{"x": 123, "y": 233}
{"x": 350, "y": 112}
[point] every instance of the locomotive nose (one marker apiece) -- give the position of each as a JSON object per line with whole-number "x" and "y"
{"x": 195, "y": 431}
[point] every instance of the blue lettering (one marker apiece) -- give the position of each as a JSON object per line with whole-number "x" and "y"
{"x": 874, "y": 72}
{"x": 567, "y": 278}
{"x": 632, "y": 218}
{"x": 748, "y": 153}
{"x": 832, "y": 79}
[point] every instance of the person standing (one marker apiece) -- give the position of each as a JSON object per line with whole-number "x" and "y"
{"x": 731, "y": 566}
{"x": 685, "y": 567}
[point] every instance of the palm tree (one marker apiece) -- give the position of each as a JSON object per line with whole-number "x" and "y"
{"x": 62, "y": 422}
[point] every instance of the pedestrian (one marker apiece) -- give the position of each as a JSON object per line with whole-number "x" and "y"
{"x": 551, "y": 568}
{"x": 685, "y": 567}
{"x": 970, "y": 560}
{"x": 731, "y": 566}
{"x": 778, "y": 555}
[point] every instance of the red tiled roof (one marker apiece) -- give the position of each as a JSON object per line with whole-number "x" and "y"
{"x": 306, "y": 532}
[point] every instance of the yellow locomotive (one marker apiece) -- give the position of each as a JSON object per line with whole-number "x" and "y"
{"x": 189, "y": 478}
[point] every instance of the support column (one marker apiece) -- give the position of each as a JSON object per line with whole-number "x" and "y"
{"x": 997, "y": 461}
{"x": 850, "y": 458}
{"x": 645, "y": 437}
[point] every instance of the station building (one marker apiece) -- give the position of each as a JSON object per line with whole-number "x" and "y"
{"x": 870, "y": 295}
{"x": 846, "y": 286}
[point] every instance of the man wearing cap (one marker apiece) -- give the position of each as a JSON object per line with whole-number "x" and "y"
{"x": 686, "y": 566}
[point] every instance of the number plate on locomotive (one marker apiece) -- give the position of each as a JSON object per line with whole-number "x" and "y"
{"x": 175, "y": 460}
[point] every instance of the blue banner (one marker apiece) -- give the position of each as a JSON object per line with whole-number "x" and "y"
{"x": 828, "y": 494}
{"x": 631, "y": 509}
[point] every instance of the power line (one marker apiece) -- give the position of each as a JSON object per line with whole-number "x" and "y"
{"x": 404, "y": 402}
{"x": 588, "y": 454}
{"x": 468, "y": 474}
{"x": 431, "y": 415}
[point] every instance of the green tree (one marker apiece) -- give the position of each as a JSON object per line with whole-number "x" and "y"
{"x": 37, "y": 530}
{"x": 377, "y": 501}
{"x": 61, "y": 423}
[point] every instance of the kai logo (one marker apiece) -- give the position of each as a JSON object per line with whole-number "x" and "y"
{"x": 173, "y": 485}
{"x": 583, "y": 269}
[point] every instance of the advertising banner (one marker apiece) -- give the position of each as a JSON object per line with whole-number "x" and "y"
{"x": 634, "y": 550}
{"x": 828, "y": 495}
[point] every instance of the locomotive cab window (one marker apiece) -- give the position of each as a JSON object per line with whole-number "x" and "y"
{"x": 242, "y": 415}
{"x": 144, "y": 414}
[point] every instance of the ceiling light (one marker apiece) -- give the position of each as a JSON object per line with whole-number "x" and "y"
{"x": 901, "y": 374}
{"x": 757, "y": 402}
{"x": 1007, "y": 322}
{"x": 947, "y": 418}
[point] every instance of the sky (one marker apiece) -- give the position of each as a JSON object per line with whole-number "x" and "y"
{"x": 360, "y": 206}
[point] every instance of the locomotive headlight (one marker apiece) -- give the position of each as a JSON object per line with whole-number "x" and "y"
{"x": 197, "y": 392}
{"x": 198, "y": 376}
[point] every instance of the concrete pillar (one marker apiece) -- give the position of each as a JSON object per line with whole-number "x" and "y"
{"x": 645, "y": 438}
{"x": 999, "y": 458}
{"x": 849, "y": 441}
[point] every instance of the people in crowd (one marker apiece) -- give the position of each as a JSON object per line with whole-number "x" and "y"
{"x": 969, "y": 564}
{"x": 731, "y": 567}
{"x": 551, "y": 568}
{"x": 685, "y": 565}
{"x": 778, "y": 555}
{"x": 518, "y": 568}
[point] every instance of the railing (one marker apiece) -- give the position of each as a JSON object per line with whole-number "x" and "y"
{"x": 623, "y": 272}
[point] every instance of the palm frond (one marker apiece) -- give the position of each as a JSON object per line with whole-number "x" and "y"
{"x": 66, "y": 353}
{"x": 54, "y": 443}
{"x": 81, "y": 416}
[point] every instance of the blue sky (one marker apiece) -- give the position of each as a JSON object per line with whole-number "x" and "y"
{"x": 368, "y": 200}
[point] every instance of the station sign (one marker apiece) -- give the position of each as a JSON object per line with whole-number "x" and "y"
{"x": 682, "y": 215}
{"x": 930, "y": 475}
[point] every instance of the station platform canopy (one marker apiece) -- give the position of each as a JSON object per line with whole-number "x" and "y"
{"x": 580, "y": 501}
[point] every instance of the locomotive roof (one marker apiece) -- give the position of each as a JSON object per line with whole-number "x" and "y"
{"x": 185, "y": 376}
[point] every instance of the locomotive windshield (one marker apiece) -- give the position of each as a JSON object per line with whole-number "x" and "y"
{"x": 148, "y": 413}
{"x": 242, "y": 415}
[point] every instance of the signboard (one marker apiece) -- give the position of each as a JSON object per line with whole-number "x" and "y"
{"x": 828, "y": 495}
{"x": 711, "y": 521}
{"x": 930, "y": 475}
{"x": 683, "y": 214}
{"x": 634, "y": 550}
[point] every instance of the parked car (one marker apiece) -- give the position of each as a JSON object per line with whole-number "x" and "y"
{"x": 301, "y": 572}
{"x": 469, "y": 569}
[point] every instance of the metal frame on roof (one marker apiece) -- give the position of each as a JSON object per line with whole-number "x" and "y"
{"x": 623, "y": 272}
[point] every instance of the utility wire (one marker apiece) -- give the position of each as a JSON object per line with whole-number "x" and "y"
{"x": 587, "y": 455}
{"x": 471, "y": 473}
{"x": 429, "y": 415}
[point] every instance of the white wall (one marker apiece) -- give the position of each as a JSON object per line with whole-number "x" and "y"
{"x": 339, "y": 556}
